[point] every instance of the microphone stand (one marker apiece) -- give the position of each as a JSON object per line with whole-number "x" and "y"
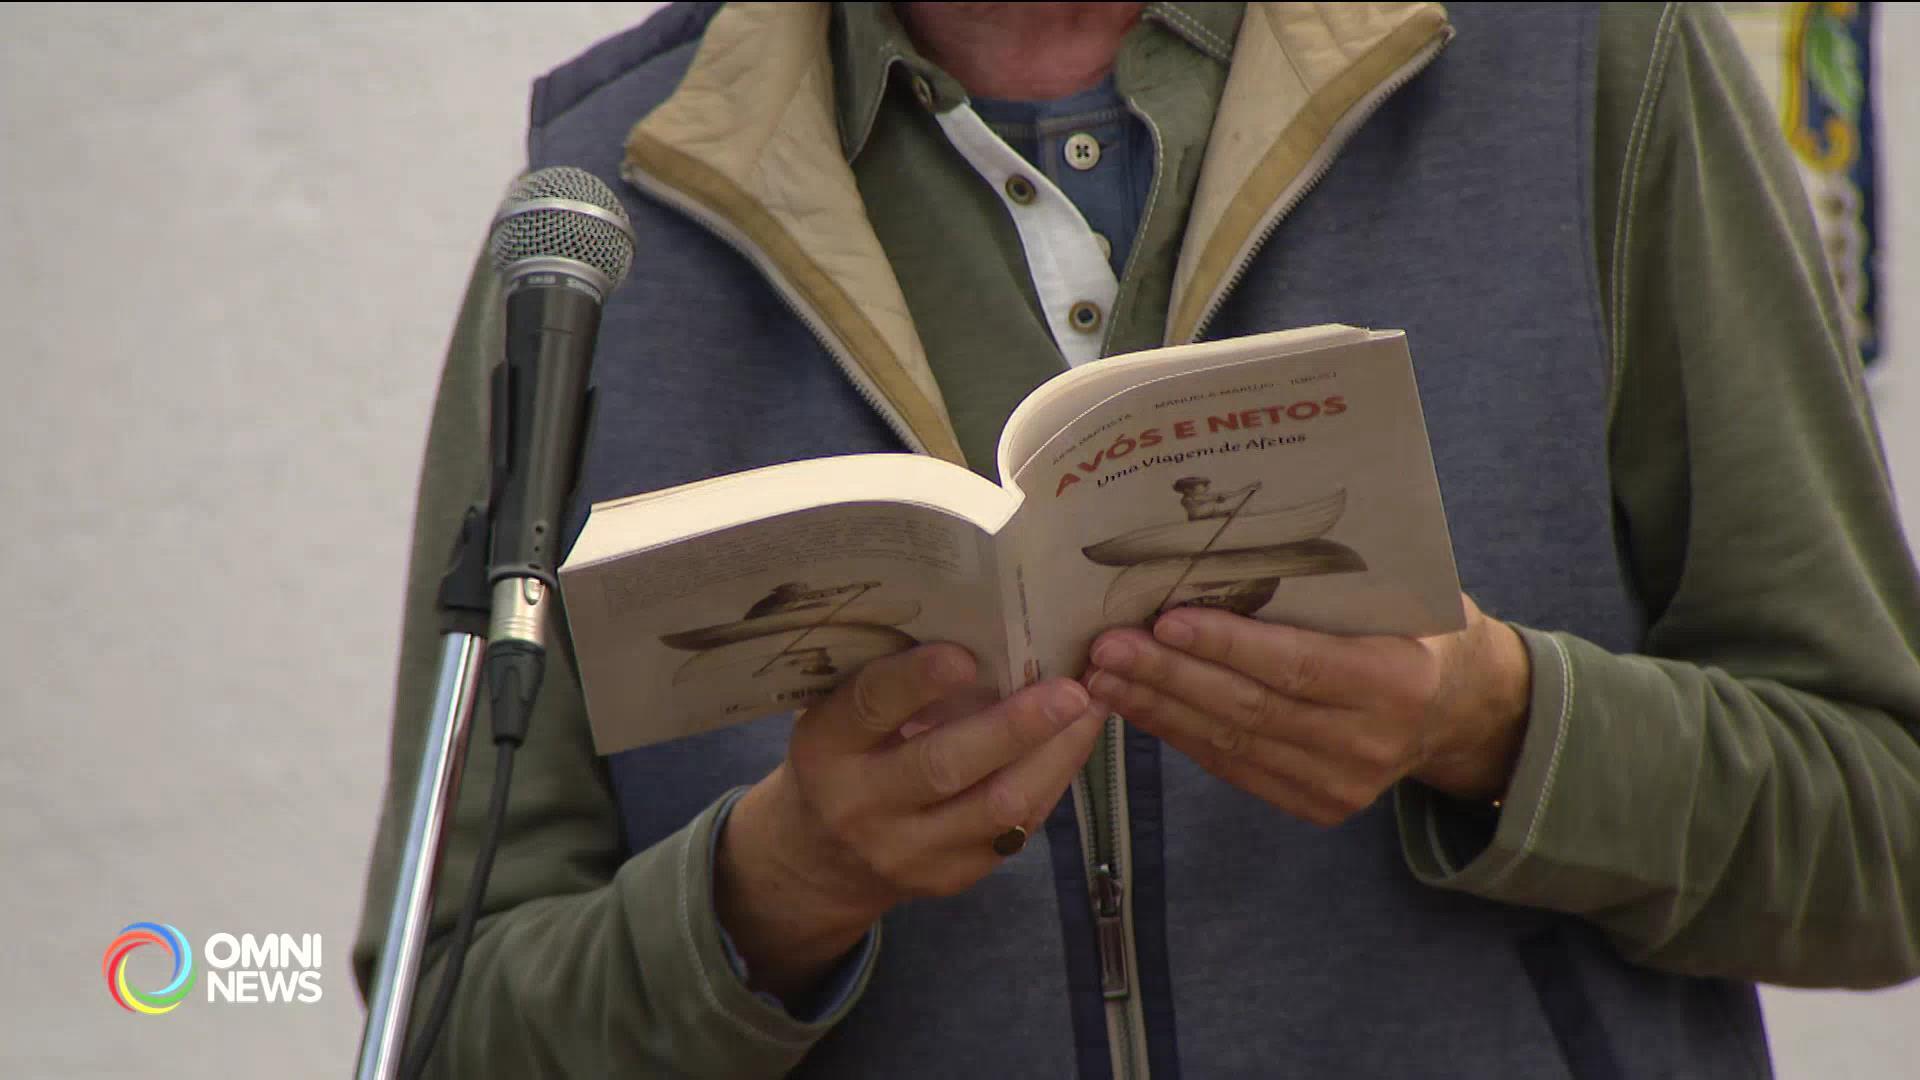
{"x": 464, "y": 603}
{"x": 560, "y": 241}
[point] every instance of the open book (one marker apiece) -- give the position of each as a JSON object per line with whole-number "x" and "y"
{"x": 1285, "y": 477}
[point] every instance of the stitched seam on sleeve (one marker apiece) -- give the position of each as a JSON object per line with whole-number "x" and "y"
{"x": 1559, "y": 744}
{"x": 1637, "y": 139}
{"x": 700, "y": 969}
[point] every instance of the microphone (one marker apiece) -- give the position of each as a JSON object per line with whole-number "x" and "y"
{"x": 560, "y": 243}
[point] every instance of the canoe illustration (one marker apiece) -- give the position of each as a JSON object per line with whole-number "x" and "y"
{"x": 1239, "y": 581}
{"x": 869, "y": 609}
{"x": 1249, "y": 531}
{"x": 799, "y": 660}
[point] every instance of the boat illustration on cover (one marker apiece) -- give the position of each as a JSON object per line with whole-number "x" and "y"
{"x": 1224, "y": 555}
{"x": 1252, "y": 530}
{"x": 803, "y": 638}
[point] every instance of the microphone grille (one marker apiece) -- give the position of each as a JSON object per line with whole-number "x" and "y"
{"x": 535, "y": 222}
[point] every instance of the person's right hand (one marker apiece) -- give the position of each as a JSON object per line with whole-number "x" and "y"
{"x": 861, "y": 816}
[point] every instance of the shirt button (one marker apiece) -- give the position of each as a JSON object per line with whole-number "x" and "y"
{"x": 1020, "y": 189}
{"x": 923, "y": 92}
{"x": 1082, "y": 151}
{"x": 1084, "y": 316}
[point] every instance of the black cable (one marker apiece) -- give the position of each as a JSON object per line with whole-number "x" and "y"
{"x": 513, "y": 673}
{"x": 428, "y": 1034}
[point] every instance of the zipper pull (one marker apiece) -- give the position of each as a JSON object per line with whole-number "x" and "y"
{"x": 1112, "y": 931}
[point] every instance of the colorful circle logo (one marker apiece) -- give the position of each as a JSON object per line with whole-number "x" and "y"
{"x": 114, "y": 967}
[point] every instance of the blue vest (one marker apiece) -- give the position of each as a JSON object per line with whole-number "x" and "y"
{"x": 1459, "y": 212}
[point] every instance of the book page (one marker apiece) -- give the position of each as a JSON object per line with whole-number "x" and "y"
{"x": 771, "y": 615}
{"x": 1060, "y": 400}
{"x": 618, "y": 527}
{"x": 1297, "y": 489}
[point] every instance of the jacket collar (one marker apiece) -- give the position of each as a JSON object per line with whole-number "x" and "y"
{"x": 750, "y": 142}
{"x": 870, "y": 44}
{"x": 1303, "y": 75}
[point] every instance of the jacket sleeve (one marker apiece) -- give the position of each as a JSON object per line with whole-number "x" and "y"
{"x": 1743, "y": 799}
{"x": 587, "y": 962}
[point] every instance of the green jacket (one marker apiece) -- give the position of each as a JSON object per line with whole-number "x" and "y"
{"x": 1792, "y": 781}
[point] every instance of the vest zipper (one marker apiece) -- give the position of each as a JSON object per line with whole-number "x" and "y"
{"x": 790, "y": 296}
{"x": 1106, "y": 833}
{"x": 1317, "y": 166}
{"x": 1107, "y": 898}
{"x": 1100, "y": 802}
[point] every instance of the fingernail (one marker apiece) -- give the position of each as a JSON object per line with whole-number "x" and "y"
{"x": 1174, "y": 631}
{"x": 1113, "y": 653}
{"x": 1065, "y": 705}
{"x": 1105, "y": 686}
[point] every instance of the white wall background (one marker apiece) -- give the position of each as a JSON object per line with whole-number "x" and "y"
{"x": 231, "y": 243}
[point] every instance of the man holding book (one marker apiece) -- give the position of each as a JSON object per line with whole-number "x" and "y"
{"x": 1676, "y": 754}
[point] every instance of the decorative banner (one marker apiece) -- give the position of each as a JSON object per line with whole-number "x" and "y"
{"x": 1815, "y": 61}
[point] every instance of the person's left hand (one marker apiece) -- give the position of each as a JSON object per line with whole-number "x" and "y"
{"x": 1320, "y": 725}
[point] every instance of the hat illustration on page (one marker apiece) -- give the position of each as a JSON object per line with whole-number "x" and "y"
{"x": 801, "y": 637}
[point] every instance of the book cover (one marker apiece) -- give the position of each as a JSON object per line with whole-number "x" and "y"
{"x": 1284, "y": 477}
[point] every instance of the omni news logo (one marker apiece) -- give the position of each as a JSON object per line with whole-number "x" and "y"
{"x": 249, "y": 969}
{"x": 134, "y": 999}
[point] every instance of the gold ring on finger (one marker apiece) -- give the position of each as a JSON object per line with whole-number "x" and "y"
{"x": 1011, "y": 841}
